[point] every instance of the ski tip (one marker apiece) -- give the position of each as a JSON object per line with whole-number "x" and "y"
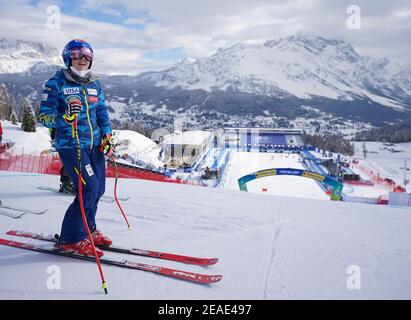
{"x": 215, "y": 278}
{"x": 211, "y": 261}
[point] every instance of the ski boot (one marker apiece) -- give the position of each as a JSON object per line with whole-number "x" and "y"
{"x": 100, "y": 240}
{"x": 67, "y": 188}
{"x": 82, "y": 247}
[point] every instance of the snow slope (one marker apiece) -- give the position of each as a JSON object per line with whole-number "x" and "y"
{"x": 380, "y": 159}
{"x": 244, "y": 163}
{"x": 137, "y": 146}
{"x": 26, "y": 142}
{"x": 270, "y": 247}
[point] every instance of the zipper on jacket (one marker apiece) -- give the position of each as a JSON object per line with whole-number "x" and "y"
{"x": 88, "y": 118}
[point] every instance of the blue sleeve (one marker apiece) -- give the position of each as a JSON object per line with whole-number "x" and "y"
{"x": 49, "y": 103}
{"x": 103, "y": 120}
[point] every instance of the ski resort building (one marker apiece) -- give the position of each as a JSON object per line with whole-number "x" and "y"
{"x": 182, "y": 149}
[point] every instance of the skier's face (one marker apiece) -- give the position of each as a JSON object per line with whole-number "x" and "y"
{"x": 81, "y": 64}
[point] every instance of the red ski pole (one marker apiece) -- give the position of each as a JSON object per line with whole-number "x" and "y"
{"x": 83, "y": 213}
{"x": 115, "y": 192}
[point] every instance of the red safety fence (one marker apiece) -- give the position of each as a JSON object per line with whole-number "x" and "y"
{"x": 31, "y": 163}
{"x": 50, "y": 164}
{"x": 383, "y": 199}
{"x": 375, "y": 176}
{"x": 126, "y": 171}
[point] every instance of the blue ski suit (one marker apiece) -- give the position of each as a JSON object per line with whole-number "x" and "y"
{"x": 93, "y": 125}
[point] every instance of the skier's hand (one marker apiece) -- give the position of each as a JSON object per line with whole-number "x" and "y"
{"x": 107, "y": 146}
{"x": 74, "y": 107}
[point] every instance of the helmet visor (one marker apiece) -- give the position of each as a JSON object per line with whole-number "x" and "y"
{"x": 78, "y": 53}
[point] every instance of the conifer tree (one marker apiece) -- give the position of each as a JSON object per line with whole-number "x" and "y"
{"x": 28, "y": 121}
{"x": 13, "y": 118}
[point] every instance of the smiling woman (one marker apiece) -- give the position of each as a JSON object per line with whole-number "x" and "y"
{"x": 73, "y": 104}
{"x": 81, "y": 60}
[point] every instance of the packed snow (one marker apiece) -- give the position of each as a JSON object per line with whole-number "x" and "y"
{"x": 269, "y": 247}
{"x": 26, "y": 142}
{"x": 282, "y": 243}
{"x": 195, "y": 137}
{"x": 244, "y": 163}
{"x": 389, "y": 160}
{"x": 133, "y": 144}
{"x": 386, "y": 161}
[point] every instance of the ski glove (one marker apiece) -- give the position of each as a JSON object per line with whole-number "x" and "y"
{"x": 107, "y": 146}
{"x": 74, "y": 107}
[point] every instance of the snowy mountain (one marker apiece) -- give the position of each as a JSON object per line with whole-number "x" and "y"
{"x": 296, "y": 66}
{"x": 314, "y": 83}
{"x": 17, "y": 56}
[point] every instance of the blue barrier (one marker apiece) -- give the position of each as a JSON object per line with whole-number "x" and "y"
{"x": 221, "y": 170}
{"x": 217, "y": 160}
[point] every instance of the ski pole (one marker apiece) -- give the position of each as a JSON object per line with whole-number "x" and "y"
{"x": 115, "y": 191}
{"x": 83, "y": 213}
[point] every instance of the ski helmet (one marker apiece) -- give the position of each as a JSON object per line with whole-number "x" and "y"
{"x": 76, "y": 43}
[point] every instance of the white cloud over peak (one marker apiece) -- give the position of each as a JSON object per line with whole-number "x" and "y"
{"x": 130, "y": 31}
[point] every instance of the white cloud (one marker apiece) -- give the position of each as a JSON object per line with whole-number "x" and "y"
{"x": 404, "y": 13}
{"x": 201, "y": 27}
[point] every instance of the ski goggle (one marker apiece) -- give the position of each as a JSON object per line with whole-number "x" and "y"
{"x": 78, "y": 53}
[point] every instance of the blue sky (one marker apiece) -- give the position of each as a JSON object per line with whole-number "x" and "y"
{"x": 133, "y": 36}
{"x": 113, "y": 14}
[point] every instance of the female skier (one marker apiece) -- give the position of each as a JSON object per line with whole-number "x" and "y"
{"x": 75, "y": 95}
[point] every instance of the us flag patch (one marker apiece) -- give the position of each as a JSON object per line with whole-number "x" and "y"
{"x": 92, "y": 99}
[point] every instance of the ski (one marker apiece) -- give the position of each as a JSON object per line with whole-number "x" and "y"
{"x": 174, "y": 273}
{"x": 138, "y": 252}
{"x": 14, "y": 215}
{"x": 24, "y": 210}
{"x": 107, "y": 199}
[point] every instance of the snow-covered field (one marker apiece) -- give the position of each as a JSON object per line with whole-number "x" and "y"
{"x": 244, "y": 163}
{"x": 26, "y": 142}
{"x": 137, "y": 146}
{"x": 269, "y": 247}
{"x": 382, "y": 161}
{"x": 281, "y": 244}
{"x": 381, "y": 158}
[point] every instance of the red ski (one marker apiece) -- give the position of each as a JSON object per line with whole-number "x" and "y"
{"x": 174, "y": 273}
{"x": 138, "y": 252}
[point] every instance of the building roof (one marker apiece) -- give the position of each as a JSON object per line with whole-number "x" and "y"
{"x": 265, "y": 130}
{"x": 195, "y": 137}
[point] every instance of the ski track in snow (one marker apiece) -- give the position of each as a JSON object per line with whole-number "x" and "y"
{"x": 275, "y": 235}
{"x": 270, "y": 247}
